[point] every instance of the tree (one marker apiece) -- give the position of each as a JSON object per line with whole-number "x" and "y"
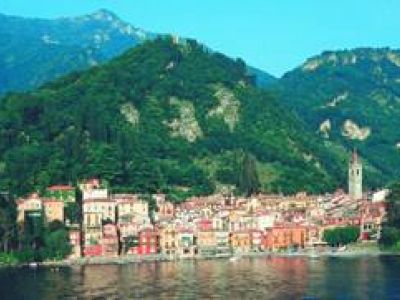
{"x": 8, "y": 226}
{"x": 249, "y": 183}
{"x": 341, "y": 235}
{"x": 57, "y": 244}
{"x": 390, "y": 236}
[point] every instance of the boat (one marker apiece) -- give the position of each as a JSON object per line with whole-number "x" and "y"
{"x": 33, "y": 265}
{"x": 234, "y": 258}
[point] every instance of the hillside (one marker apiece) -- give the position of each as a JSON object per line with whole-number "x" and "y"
{"x": 34, "y": 51}
{"x": 165, "y": 117}
{"x": 352, "y": 98}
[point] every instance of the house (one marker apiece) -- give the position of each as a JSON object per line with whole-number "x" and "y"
{"x": 110, "y": 240}
{"x": 148, "y": 242}
{"x": 32, "y": 206}
{"x": 74, "y": 235}
{"x": 186, "y": 243}
{"x": 223, "y": 247}
{"x": 284, "y": 236}
{"x": 130, "y": 209}
{"x": 240, "y": 241}
{"x": 165, "y": 209}
{"x": 256, "y": 240}
{"x": 53, "y": 210}
{"x": 169, "y": 240}
{"x": 206, "y": 243}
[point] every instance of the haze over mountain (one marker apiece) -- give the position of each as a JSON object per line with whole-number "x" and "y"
{"x": 352, "y": 98}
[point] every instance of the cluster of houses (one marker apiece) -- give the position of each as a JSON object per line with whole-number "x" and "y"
{"x": 215, "y": 225}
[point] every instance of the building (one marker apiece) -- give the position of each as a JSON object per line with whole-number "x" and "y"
{"x": 186, "y": 243}
{"x": 148, "y": 242}
{"x": 240, "y": 241}
{"x": 110, "y": 240}
{"x": 285, "y": 236}
{"x": 32, "y": 206}
{"x": 169, "y": 240}
{"x": 165, "y": 209}
{"x": 75, "y": 242}
{"x": 355, "y": 177}
{"x": 206, "y": 243}
{"x": 53, "y": 210}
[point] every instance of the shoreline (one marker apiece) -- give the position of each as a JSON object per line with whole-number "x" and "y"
{"x": 135, "y": 259}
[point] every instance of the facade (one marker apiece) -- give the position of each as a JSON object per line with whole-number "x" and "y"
{"x": 285, "y": 236}
{"x": 32, "y": 206}
{"x": 206, "y": 242}
{"x": 240, "y": 241}
{"x": 110, "y": 240}
{"x": 53, "y": 210}
{"x": 75, "y": 242}
{"x": 169, "y": 240}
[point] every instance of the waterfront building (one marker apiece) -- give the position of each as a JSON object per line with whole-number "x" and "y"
{"x": 74, "y": 235}
{"x": 110, "y": 240}
{"x": 223, "y": 247}
{"x": 284, "y": 236}
{"x": 148, "y": 242}
{"x": 186, "y": 243}
{"x": 169, "y": 240}
{"x": 206, "y": 242}
{"x": 240, "y": 241}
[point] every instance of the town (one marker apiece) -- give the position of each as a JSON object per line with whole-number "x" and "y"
{"x": 211, "y": 226}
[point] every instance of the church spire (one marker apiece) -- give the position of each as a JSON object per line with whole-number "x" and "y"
{"x": 355, "y": 176}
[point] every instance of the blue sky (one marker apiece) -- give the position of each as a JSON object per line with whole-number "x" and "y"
{"x": 275, "y": 36}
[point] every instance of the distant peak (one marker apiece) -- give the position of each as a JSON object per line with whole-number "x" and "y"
{"x": 104, "y": 14}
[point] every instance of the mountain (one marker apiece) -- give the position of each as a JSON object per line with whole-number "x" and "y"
{"x": 164, "y": 116}
{"x": 34, "y": 51}
{"x": 352, "y": 98}
{"x": 263, "y": 79}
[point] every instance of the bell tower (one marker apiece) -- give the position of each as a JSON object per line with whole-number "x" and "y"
{"x": 355, "y": 177}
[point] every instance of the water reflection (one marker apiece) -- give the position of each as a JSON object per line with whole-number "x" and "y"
{"x": 263, "y": 278}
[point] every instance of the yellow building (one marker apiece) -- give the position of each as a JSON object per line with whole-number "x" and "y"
{"x": 169, "y": 241}
{"x": 240, "y": 241}
{"x": 53, "y": 210}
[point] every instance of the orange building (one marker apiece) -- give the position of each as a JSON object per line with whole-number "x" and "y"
{"x": 284, "y": 236}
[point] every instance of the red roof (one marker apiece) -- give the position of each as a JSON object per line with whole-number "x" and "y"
{"x": 60, "y": 188}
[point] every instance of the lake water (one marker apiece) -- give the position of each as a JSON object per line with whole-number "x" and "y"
{"x": 247, "y": 278}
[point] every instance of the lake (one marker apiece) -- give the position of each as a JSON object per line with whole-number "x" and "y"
{"x": 248, "y": 278}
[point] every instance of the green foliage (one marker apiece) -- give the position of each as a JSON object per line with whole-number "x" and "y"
{"x": 74, "y": 128}
{"x": 8, "y": 226}
{"x": 390, "y": 237}
{"x": 359, "y": 85}
{"x": 341, "y": 235}
{"x": 249, "y": 183}
{"x": 56, "y": 244}
{"x": 73, "y": 213}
